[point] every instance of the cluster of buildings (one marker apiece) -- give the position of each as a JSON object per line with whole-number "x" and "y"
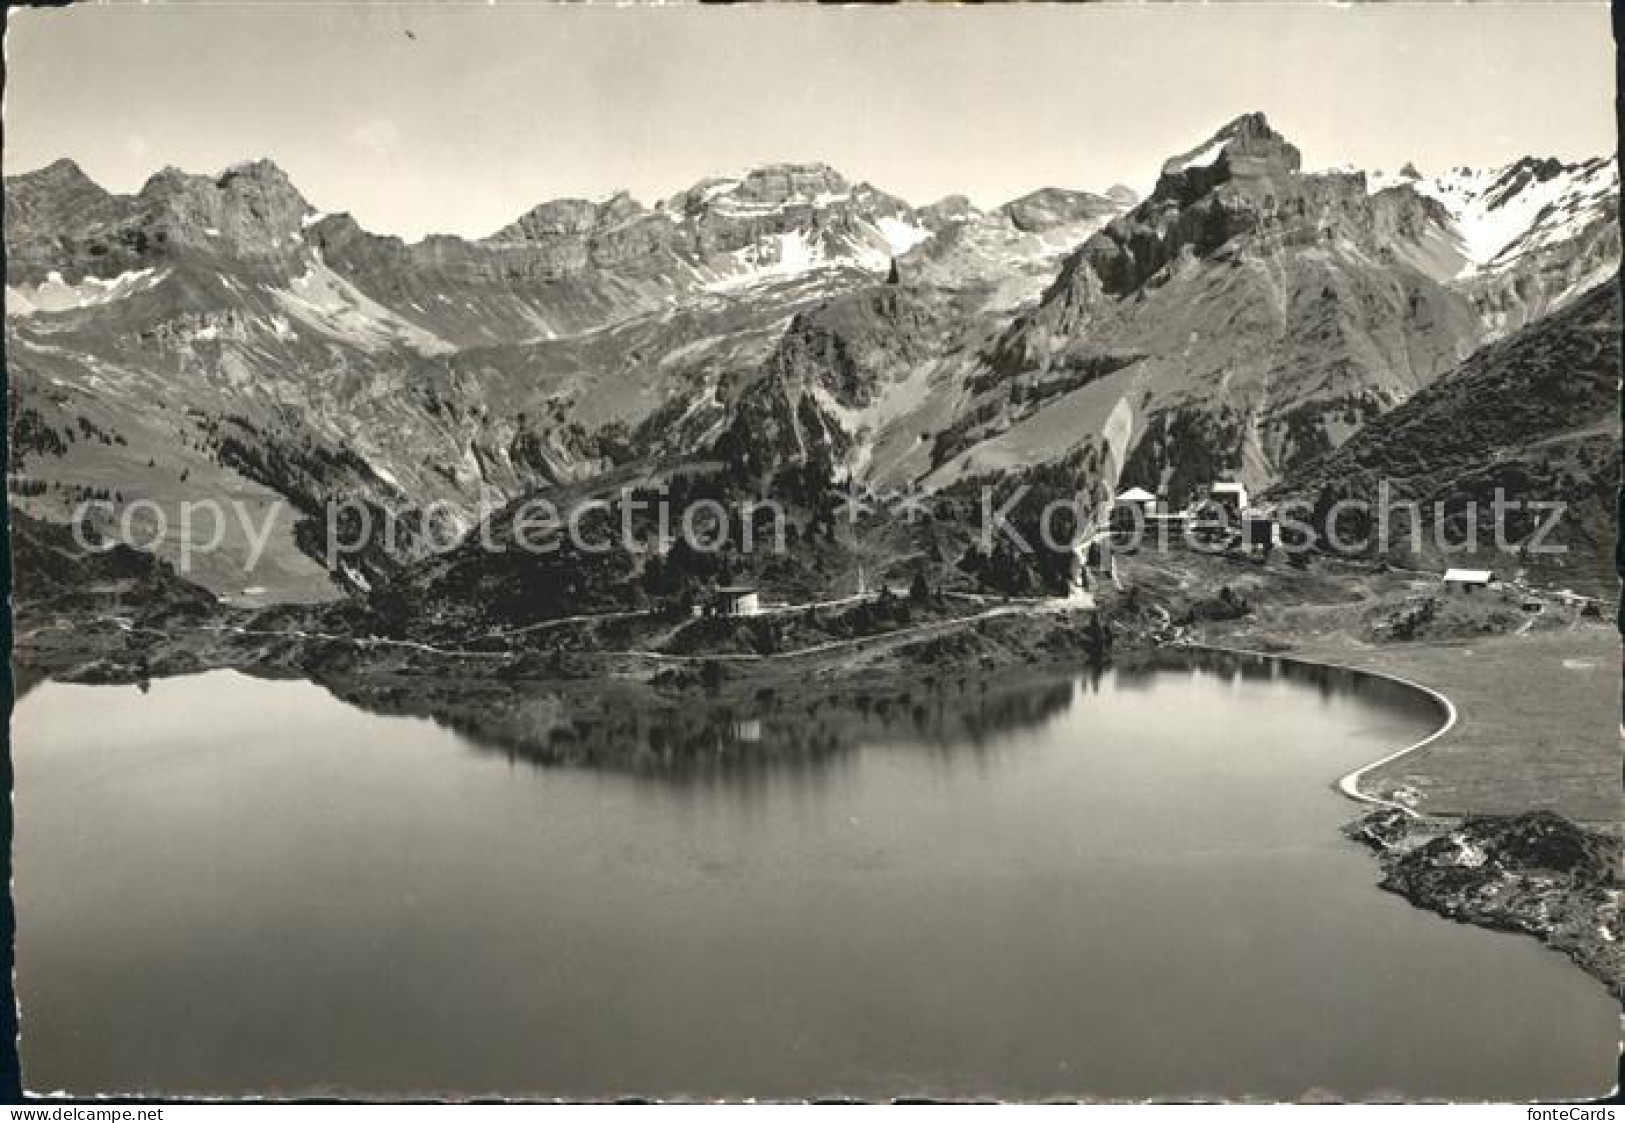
{"x": 1224, "y": 511}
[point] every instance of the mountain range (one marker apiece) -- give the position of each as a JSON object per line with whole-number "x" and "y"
{"x": 217, "y": 336}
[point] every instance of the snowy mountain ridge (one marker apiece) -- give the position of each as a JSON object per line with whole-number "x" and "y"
{"x": 1530, "y": 203}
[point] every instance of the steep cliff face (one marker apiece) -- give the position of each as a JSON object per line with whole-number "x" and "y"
{"x": 1006, "y": 257}
{"x": 59, "y": 224}
{"x": 1250, "y": 315}
{"x": 1277, "y": 310}
{"x": 777, "y": 214}
{"x": 853, "y": 345}
{"x": 582, "y": 234}
{"x": 49, "y": 213}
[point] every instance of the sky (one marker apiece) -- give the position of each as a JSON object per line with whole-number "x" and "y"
{"x": 457, "y": 118}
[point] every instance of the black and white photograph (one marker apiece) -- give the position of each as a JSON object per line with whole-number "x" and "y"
{"x": 787, "y": 552}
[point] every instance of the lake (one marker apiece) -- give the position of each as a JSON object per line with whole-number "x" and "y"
{"x": 1118, "y": 884}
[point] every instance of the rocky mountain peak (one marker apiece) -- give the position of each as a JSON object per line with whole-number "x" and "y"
{"x": 49, "y": 210}
{"x": 252, "y": 208}
{"x": 254, "y": 182}
{"x": 765, "y": 188}
{"x": 619, "y": 207}
{"x": 58, "y": 194}
{"x": 61, "y": 174}
{"x": 262, "y": 174}
{"x": 1523, "y": 173}
{"x": 947, "y": 211}
{"x": 1049, "y": 207}
{"x": 1245, "y": 151}
{"x": 568, "y": 218}
{"x": 167, "y": 180}
{"x": 775, "y": 184}
{"x": 264, "y": 189}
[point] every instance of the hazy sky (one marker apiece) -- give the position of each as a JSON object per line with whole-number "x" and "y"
{"x": 491, "y": 109}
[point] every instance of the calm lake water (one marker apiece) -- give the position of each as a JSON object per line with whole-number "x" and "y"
{"x": 1121, "y": 885}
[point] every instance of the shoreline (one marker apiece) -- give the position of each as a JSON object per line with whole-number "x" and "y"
{"x": 1349, "y": 784}
{"x": 1533, "y": 873}
{"x": 1422, "y": 853}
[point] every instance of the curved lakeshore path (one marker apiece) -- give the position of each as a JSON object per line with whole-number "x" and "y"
{"x": 1531, "y": 721}
{"x": 1349, "y": 784}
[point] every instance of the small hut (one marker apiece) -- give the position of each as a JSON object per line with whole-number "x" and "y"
{"x": 1467, "y": 580}
{"x": 736, "y": 600}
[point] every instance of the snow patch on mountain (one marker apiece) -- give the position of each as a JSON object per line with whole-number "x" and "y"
{"x": 56, "y": 295}
{"x": 714, "y": 190}
{"x": 795, "y": 253}
{"x": 1206, "y": 157}
{"x": 774, "y": 258}
{"x": 901, "y": 236}
{"x": 1526, "y": 204}
{"x": 801, "y": 252}
{"x": 1383, "y": 181}
{"x": 327, "y": 303}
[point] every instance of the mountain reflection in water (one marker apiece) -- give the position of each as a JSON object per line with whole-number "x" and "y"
{"x": 1121, "y": 884}
{"x": 690, "y": 736}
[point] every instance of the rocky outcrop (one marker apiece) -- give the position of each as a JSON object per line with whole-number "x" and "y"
{"x": 782, "y": 212}
{"x": 1274, "y": 308}
{"x": 251, "y": 210}
{"x": 1050, "y": 207}
{"x": 950, "y": 210}
{"x": 1007, "y": 256}
{"x": 49, "y": 215}
{"x": 1245, "y": 184}
{"x": 1535, "y": 873}
{"x": 1246, "y": 153}
{"x": 855, "y": 343}
{"x": 569, "y": 236}
{"x": 57, "y": 221}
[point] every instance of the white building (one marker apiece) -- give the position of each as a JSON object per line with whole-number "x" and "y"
{"x": 1230, "y": 495}
{"x": 1467, "y": 580}
{"x": 1135, "y": 497}
{"x": 736, "y": 600}
{"x": 1132, "y": 509}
